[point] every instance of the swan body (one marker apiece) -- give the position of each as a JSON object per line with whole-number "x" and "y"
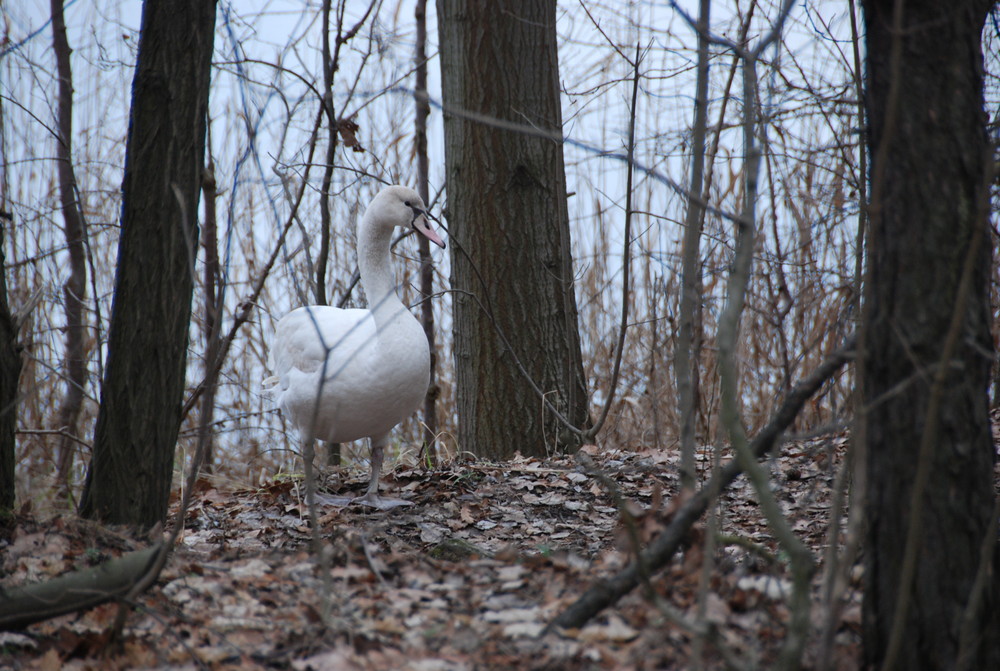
{"x": 373, "y": 380}
{"x": 341, "y": 375}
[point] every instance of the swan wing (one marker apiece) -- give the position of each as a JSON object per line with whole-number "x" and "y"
{"x": 306, "y": 337}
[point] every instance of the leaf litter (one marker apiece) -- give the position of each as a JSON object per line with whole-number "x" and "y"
{"x": 466, "y": 578}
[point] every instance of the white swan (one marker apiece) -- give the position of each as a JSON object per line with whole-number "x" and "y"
{"x": 341, "y": 375}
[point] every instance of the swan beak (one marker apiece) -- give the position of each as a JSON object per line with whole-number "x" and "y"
{"x": 422, "y": 226}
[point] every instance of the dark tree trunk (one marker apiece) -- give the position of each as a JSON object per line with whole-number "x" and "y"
{"x": 423, "y": 244}
{"x": 129, "y": 477}
{"x": 75, "y": 288}
{"x": 930, "y": 173}
{"x": 511, "y": 259}
{"x": 10, "y": 371}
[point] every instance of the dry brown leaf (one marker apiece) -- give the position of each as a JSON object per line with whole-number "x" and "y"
{"x": 348, "y": 130}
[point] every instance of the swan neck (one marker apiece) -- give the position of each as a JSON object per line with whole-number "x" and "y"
{"x": 376, "y": 269}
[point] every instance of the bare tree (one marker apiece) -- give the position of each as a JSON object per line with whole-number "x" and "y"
{"x": 686, "y": 353}
{"x": 932, "y": 600}
{"x": 129, "y": 476}
{"x": 424, "y": 245}
{"x": 75, "y": 287}
{"x": 512, "y": 270}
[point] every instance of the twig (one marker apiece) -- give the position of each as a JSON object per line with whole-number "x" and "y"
{"x": 62, "y": 432}
{"x": 557, "y": 136}
{"x": 592, "y": 432}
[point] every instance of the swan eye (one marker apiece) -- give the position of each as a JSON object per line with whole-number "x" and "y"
{"x": 407, "y": 203}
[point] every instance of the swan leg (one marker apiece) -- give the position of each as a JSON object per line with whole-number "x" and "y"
{"x": 378, "y": 454}
{"x": 371, "y": 497}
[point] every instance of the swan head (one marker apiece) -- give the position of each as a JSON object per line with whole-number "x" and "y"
{"x": 400, "y": 206}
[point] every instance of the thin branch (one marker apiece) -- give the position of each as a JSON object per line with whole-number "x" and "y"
{"x": 591, "y": 433}
{"x": 557, "y": 136}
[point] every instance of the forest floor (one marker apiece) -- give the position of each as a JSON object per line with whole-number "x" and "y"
{"x": 466, "y": 578}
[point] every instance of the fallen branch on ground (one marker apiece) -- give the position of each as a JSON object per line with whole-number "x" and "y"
{"x": 662, "y": 548}
{"x": 81, "y": 590}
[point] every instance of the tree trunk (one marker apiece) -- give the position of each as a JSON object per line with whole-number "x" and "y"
{"x": 75, "y": 288}
{"x": 423, "y": 110}
{"x": 925, "y": 372}
{"x": 212, "y": 307}
{"x": 512, "y": 268}
{"x": 129, "y": 477}
{"x": 686, "y": 354}
{"x": 329, "y": 67}
{"x": 10, "y": 371}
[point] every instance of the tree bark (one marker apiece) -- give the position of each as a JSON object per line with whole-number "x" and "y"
{"x": 926, "y": 344}
{"x": 10, "y": 371}
{"x": 512, "y": 269}
{"x": 129, "y": 477}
